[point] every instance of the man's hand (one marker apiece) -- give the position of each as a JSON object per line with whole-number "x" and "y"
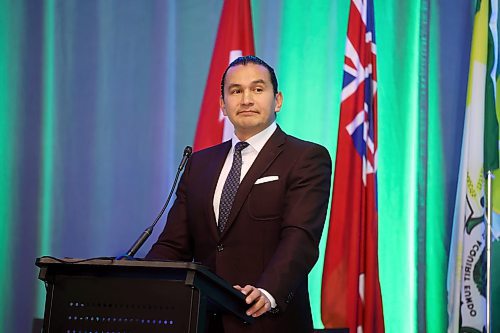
{"x": 261, "y": 303}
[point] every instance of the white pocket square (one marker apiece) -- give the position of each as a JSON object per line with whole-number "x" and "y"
{"x": 266, "y": 179}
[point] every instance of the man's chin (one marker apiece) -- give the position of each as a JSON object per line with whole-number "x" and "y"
{"x": 249, "y": 129}
{"x": 249, "y": 125}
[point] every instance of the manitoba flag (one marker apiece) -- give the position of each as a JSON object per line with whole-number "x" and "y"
{"x": 350, "y": 295}
{"x": 234, "y": 39}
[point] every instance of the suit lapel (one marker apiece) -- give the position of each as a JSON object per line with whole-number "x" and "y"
{"x": 213, "y": 170}
{"x": 267, "y": 155}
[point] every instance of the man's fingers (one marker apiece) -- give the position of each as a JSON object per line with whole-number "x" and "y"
{"x": 252, "y": 294}
{"x": 246, "y": 290}
{"x": 260, "y": 306}
{"x": 260, "y": 302}
{"x": 264, "y": 308}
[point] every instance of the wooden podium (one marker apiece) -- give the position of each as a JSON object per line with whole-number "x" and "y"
{"x": 108, "y": 295}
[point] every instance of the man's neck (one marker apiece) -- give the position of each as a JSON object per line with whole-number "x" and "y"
{"x": 245, "y": 135}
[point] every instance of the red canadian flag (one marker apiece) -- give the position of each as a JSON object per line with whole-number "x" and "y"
{"x": 234, "y": 39}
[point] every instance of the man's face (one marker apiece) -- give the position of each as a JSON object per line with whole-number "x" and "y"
{"x": 249, "y": 99}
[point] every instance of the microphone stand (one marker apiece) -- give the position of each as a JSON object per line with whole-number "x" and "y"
{"x": 149, "y": 230}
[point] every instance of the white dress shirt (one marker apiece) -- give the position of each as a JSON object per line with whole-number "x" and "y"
{"x": 248, "y": 156}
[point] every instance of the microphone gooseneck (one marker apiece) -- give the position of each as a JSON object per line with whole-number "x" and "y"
{"x": 149, "y": 230}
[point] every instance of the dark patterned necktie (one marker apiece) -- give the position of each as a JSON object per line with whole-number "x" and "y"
{"x": 231, "y": 186}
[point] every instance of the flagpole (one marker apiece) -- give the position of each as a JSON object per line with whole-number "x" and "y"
{"x": 488, "y": 253}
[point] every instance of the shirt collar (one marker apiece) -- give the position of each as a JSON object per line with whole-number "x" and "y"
{"x": 258, "y": 140}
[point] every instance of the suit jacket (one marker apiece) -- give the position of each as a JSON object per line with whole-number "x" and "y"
{"x": 272, "y": 235}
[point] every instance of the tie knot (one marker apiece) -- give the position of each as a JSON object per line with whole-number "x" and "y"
{"x": 240, "y": 146}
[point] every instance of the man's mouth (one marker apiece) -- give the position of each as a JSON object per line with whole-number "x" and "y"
{"x": 247, "y": 112}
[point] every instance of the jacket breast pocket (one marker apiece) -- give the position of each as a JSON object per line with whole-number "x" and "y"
{"x": 266, "y": 201}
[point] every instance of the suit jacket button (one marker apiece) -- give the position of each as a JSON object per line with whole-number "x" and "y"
{"x": 220, "y": 248}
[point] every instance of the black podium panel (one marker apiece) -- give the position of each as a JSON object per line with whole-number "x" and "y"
{"x": 82, "y": 305}
{"x": 133, "y": 296}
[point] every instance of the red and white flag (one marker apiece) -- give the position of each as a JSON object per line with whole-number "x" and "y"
{"x": 350, "y": 295}
{"x": 234, "y": 39}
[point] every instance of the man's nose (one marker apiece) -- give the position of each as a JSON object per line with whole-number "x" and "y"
{"x": 247, "y": 97}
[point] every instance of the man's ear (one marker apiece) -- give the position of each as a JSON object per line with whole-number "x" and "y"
{"x": 222, "y": 105}
{"x": 278, "y": 100}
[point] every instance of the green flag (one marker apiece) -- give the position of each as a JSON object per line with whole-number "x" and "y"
{"x": 466, "y": 269}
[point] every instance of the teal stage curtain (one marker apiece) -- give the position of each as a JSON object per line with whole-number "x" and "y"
{"x": 99, "y": 98}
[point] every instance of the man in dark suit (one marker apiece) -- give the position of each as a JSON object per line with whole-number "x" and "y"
{"x": 253, "y": 212}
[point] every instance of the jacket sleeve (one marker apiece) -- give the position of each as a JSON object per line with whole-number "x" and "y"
{"x": 306, "y": 203}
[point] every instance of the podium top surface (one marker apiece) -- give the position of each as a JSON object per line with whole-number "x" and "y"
{"x": 111, "y": 262}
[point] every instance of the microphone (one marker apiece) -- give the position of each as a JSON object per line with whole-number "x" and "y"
{"x": 149, "y": 230}
{"x": 185, "y": 156}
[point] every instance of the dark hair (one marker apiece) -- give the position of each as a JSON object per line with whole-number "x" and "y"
{"x": 250, "y": 60}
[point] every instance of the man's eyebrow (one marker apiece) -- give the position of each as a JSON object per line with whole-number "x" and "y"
{"x": 259, "y": 81}
{"x": 233, "y": 85}
{"x": 238, "y": 85}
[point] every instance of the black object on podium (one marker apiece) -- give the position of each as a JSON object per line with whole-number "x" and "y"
{"x": 108, "y": 295}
